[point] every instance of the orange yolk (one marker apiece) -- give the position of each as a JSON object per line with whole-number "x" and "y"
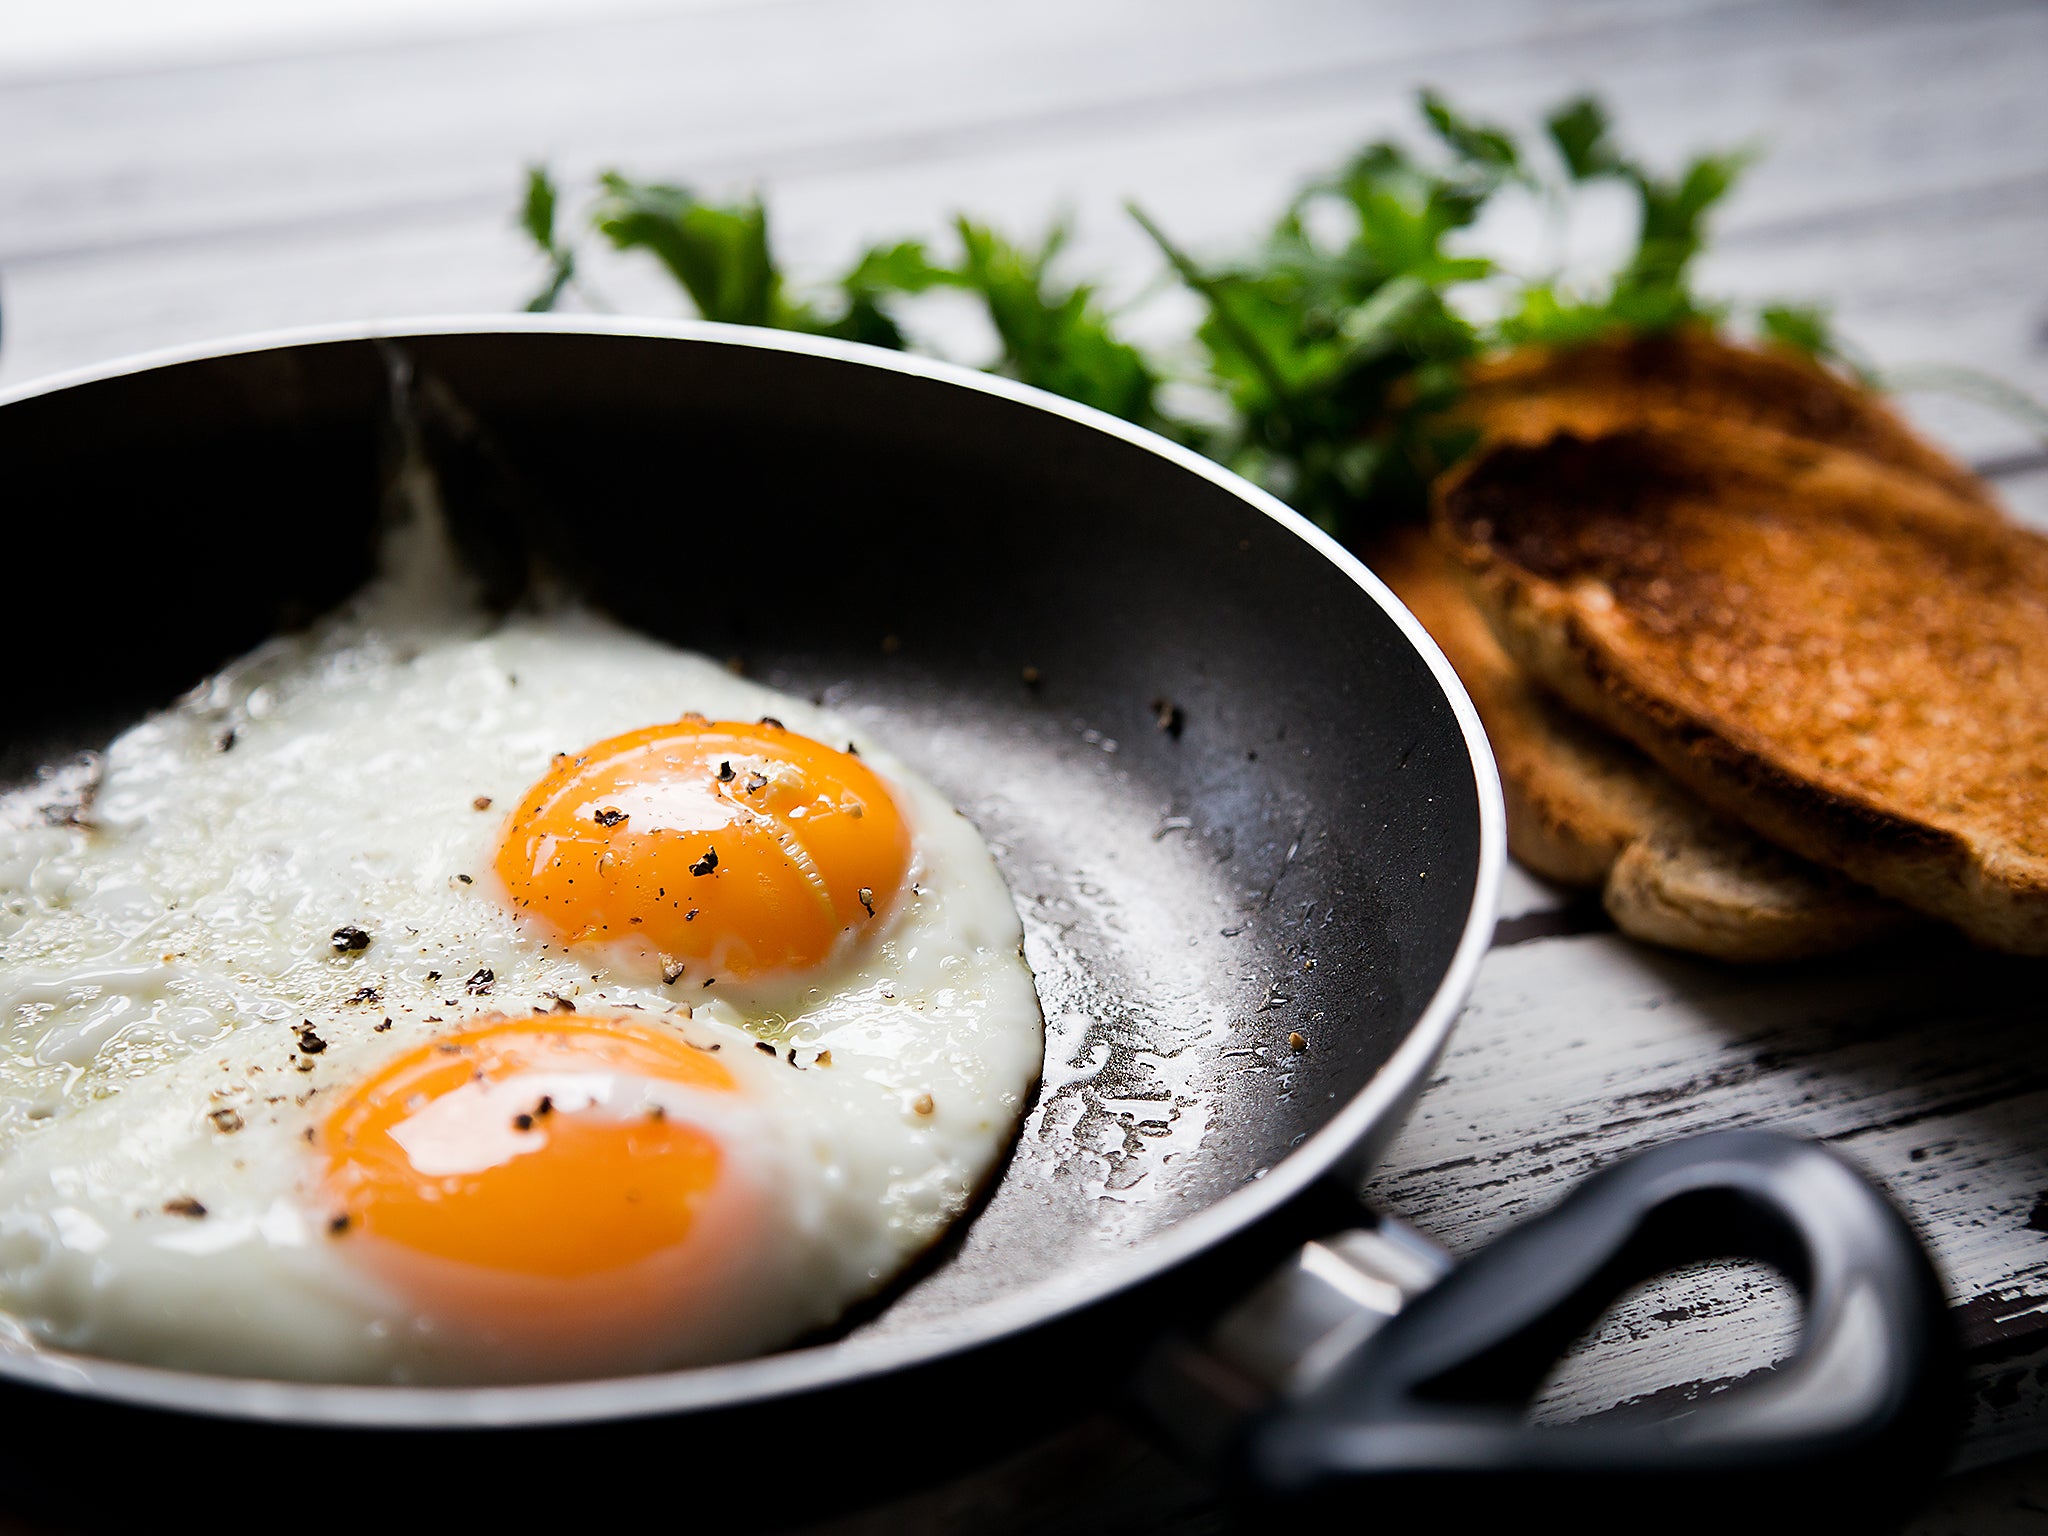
{"x": 729, "y": 849}
{"x": 528, "y": 1147}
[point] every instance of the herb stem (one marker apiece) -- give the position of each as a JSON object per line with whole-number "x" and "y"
{"x": 1226, "y": 317}
{"x": 1985, "y": 389}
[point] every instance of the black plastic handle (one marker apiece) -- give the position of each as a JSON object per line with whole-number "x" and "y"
{"x": 1852, "y": 1426}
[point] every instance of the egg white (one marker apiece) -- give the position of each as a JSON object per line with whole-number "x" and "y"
{"x": 167, "y": 929}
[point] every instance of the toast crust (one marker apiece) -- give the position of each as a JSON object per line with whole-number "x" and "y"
{"x": 1586, "y": 809}
{"x": 1714, "y": 888}
{"x": 1690, "y": 374}
{"x": 1846, "y": 658}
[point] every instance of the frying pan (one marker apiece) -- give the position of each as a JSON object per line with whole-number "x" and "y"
{"x": 1237, "y": 794}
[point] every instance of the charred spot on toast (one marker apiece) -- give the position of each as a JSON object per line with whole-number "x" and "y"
{"x": 1843, "y": 656}
{"x": 1577, "y": 508}
{"x": 1598, "y": 386}
{"x": 1587, "y": 809}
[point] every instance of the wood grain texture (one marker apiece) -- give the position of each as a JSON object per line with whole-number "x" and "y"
{"x": 1929, "y": 1069}
{"x": 1906, "y": 179}
{"x": 143, "y": 208}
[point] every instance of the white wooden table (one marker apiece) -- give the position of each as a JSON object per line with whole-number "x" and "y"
{"x": 172, "y": 174}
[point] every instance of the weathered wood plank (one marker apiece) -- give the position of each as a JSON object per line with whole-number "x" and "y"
{"x": 719, "y": 94}
{"x": 1930, "y": 1068}
{"x": 142, "y": 210}
{"x": 716, "y": 92}
{"x": 1907, "y": 179}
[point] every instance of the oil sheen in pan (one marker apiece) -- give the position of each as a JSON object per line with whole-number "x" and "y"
{"x": 289, "y": 884}
{"x": 1324, "y": 772}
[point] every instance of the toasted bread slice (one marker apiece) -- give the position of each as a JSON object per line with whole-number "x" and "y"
{"x": 1585, "y": 808}
{"x": 1712, "y": 887}
{"x": 1844, "y": 657}
{"x": 1532, "y": 393}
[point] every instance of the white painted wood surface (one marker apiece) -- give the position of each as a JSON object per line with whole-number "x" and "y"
{"x": 174, "y": 183}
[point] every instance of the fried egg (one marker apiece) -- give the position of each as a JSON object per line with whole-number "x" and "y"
{"x": 434, "y": 997}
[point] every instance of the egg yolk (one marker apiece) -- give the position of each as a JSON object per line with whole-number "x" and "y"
{"x": 729, "y": 849}
{"x": 530, "y": 1147}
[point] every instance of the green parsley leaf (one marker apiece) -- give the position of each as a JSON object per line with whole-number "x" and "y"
{"x": 902, "y": 268}
{"x": 1579, "y": 130}
{"x": 1053, "y": 334}
{"x": 722, "y": 257}
{"x": 1651, "y": 291}
{"x": 718, "y": 254}
{"x": 1334, "y": 352}
{"x": 537, "y": 218}
{"x": 1803, "y": 328}
{"x": 1335, "y": 347}
{"x": 1480, "y": 144}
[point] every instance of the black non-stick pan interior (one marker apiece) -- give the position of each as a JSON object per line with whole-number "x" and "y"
{"x": 1231, "y": 799}
{"x": 1244, "y": 811}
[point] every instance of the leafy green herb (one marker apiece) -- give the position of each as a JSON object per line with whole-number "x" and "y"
{"x": 1335, "y": 346}
{"x": 1052, "y": 334}
{"x": 1335, "y": 362}
{"x": 1338, "y": 353}
{"x": 722, "y": 258}
{"x": 1652, "y": 291}
{"x": 718, "y": 255}
{"x": 1810, "y": 329}
{"x": 1473, "y": 143}
{"x": 882, "y": 275}
{"x": 1580, "y": 132}
{"x": 1341, "y": 354}
{"x": 537, "y": 218}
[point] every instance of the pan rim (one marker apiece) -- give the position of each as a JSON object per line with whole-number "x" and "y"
{"x": 845, "y": 1362}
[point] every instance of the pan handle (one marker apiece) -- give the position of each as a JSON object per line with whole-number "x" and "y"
{"x": 1433, "y": 1400}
